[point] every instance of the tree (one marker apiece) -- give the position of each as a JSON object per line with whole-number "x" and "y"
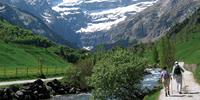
{"x": 117, "y": 76}
{"x": 167, "y": 53}
{"x": 78, "y": 74}
{"x": 155, "y": 55}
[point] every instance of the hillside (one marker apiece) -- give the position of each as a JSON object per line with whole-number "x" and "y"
{"x": 29, "y": 21}
{"x": 187, "y": 38}
{"x": 20, "y": 47}
{"x": 154, "y": 21}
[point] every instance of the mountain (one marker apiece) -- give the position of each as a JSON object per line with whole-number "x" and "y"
{"x": 88, "y": 23}
{"x": 100, "y": 16}
{"x": 29, "y": 21}
{"x": 155, "y": 21}
{"x": 82, "y": 22}
{"x": 20, "y": 47}
{"x": 186, "y": 35}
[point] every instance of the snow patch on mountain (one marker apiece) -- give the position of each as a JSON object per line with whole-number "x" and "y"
{"x": 92, "y": 27}
{"x": 2, "y": 8}
{"x": 104, "y": 20}
{"x": 100, "y": 19}
{"x": 47, "y": 17}
{"x": 88, "y": 48}
{"x": 94, "y": 1}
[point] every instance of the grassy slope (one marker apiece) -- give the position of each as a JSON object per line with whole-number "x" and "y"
{"x": 20, "y": 50}
{"x": 13, "y": 55}
{"x": 189, "y": 50}
{"x": 187, "y": 38}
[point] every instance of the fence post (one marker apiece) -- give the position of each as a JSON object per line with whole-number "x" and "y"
{"x": 55, "y": 70}
{"x": 38, "y": 70}
{"x": 4, "y": 72}
{"x": 27, "y": 71}
{"x": 16, "y": 72}
{"x": 47, "y": 71}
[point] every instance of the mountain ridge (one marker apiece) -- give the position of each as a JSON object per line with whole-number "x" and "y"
{"x": 154, "y": 21}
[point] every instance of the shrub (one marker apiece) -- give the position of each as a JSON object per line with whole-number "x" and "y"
{"x": 117, "y": 76}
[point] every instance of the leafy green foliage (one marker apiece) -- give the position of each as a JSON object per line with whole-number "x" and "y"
{"x": 155, "y": 55}
{"x": 167, "y": 53}
{"x": 15, "y": 34}
{"x": 72, "y": 55}
{"x": 117, "y": 75}
{"x": 78, "y": 74}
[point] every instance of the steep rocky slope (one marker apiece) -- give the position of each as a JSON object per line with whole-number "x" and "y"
{"x": 154, "y": 21}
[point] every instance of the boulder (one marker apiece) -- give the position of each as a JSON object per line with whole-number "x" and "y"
{"x": 57, "y": 87}
{"x": 19, "y": 95}
{"x": 72, "y": 90}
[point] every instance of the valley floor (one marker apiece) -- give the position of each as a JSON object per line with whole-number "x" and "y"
{"x": 191, "y": 89}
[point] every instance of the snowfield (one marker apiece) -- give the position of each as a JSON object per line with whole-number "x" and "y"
{"x": 101, "y": 18}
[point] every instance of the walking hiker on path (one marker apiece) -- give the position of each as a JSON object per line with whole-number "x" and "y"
{"x": 177, "y": 75}
{"x": 165, "y": 79}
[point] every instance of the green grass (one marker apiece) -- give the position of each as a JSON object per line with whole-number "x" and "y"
{"x": 189, "y": 51}
{"x": 13, "y": 55}
{"x": 7, "y": 74}
{"x": 21, "y": 57}
{"x": 153, "y": 96}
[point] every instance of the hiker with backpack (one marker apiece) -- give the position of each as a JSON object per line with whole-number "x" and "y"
{"x": 165, "y": 79}
{"x": 177, "y": 75}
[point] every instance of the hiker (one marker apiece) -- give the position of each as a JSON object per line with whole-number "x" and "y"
{"x": 165, "y": 79}
{"x": 177, "y": 75}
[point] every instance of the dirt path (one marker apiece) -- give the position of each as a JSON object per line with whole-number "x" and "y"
{"x": 191, "y": 90}
{"x": 26, "y": 81}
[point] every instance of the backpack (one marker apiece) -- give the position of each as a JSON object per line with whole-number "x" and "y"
{"x": 177, "y": 70}
{"x": 166, "y": 74}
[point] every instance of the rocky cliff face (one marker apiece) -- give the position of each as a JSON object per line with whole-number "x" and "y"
{"x": 154, "y": 21}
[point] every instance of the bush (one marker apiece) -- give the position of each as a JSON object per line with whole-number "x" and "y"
{"x": 117, "y": 76}
{"x": 78, "y": 74}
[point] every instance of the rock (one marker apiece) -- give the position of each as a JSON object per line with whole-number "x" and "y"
{"x": 50, "y": 84}
{"x": 57, "y": 87}
{"x": 49, "y": 88}
{"x": 14, "y": 88}
{"x": 61, "y": 91}
{"x": 6, "y": 97}
{"x": 39, "y": 82}
{"x": 1, "y": 92}
{"x": 7, "y": 94}
{"x": 19, "y": 95}
{"x": 78, "y": 91}
{"x": 72, "y": 90}
{"x": 28, "y": 97}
